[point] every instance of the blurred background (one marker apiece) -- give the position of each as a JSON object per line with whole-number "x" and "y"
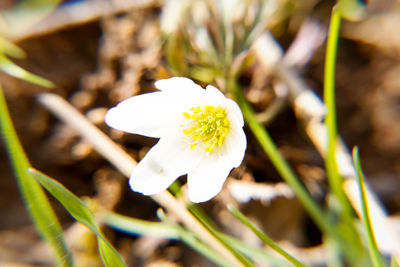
{"x": 99, "y": 52}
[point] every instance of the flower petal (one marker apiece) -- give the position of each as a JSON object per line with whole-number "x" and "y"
{"x": 179, "y": 86}
{"x": 234, "y": 112}
{"x": 234, "y": 146}
{"x": 170, "y": 158}
{"x": 207, "y": 179}
{"x": 214, "y": 92}
{"x": 147, "y": 114}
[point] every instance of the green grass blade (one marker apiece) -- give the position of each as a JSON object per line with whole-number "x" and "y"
{"x": 108, "y": 254}
{"x": 34, "y": 197}
{"x": 203, "y": 218}
{"x": 212, "y": 227}
{"x": 190, "y": 239}
{"x": 11, "y": 49}
{"x": 283, "y": 168}
{"x": 12, "y": 69}
{"x": 82, "y": 214}
{"x": 139, "y": 227}
{"x": 254, "y": 253}
{"x": 334, "y": 179}
{"x": 345, "y": 225}
{"x": 373, "y": 249}
{"x": 165, "y": 229}
{"x": 233, "y": 243}
{"x": 240, "y": 216}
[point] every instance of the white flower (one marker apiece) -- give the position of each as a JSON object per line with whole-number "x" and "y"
{"x": 200, "y": 135}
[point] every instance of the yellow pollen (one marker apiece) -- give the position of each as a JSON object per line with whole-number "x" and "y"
{"x": 208, "y": 125}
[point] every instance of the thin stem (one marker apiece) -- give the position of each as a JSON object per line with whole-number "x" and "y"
{"x": 374, "y": 252}
{"x": 210, "y": 226}
{"x": 281, "y": 165}
{"x": 266, "y": 239}
{"x": 346, "y": 224}
{"x": 334, "y": 178}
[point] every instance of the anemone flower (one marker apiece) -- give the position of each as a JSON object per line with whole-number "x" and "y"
{"x": 200, "y": 134}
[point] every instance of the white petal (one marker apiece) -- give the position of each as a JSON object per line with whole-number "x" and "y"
{"x": 214, "y": 92}
{"x": 170, "y": 158}
{"x": 147, "y": 114}
{"x": 179, "y": 86}
{"x": 207, "y": 179}
{"x": 234, "y": 112}
{"x": 234, "y": 146}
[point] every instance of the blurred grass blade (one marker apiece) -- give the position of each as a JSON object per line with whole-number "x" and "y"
{"x": 24, "y": 14}
{"x": 281, "y": 165}
{"x": 81, "y": 213}
{"x": 202, "y": 217}
{"x": 231, "y": 242}
{"x": 165, "y": 229}
{"x": 139, "y": 227}
{"x": 12, "y": 69}
{"x": 373, "y": 249}
{"x": 256, "y": 254}
{"x": 175, "y": 56}
{"x": 334, "y": 178}
{"x": 10, "y": 49}
{"x": 191, "y": 240}
{"x": 34, "y": 197}
{"x": 240, "y": 216}
{"x": 353, "y": 248}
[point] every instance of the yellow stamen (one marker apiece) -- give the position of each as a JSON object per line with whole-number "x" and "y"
{"x": 208, "y": 125}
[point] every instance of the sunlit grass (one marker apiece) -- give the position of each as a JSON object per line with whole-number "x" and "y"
{"x": 373, "y": 249}
{"x": 34, "y": 197}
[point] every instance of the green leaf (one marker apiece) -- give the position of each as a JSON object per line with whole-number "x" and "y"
{"x": 376, "y": 257}
{"x": 334, "y": 178}
{"x": 11, "y": 49}
{"x": 34, "y": 197}
{"x": 82, "y": 214}
{"x": 255, "y": 253}
{"x": 351, "y": 247}
{"x": 194, "y": 242}
{"x": 139, "y": 227}
{"x": 12, "y": 69}
{"x": 201, "y": 216}
{"x": 267, "y": 240}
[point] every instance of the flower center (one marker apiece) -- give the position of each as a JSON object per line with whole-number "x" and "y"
{"x": 208, "y": 125}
